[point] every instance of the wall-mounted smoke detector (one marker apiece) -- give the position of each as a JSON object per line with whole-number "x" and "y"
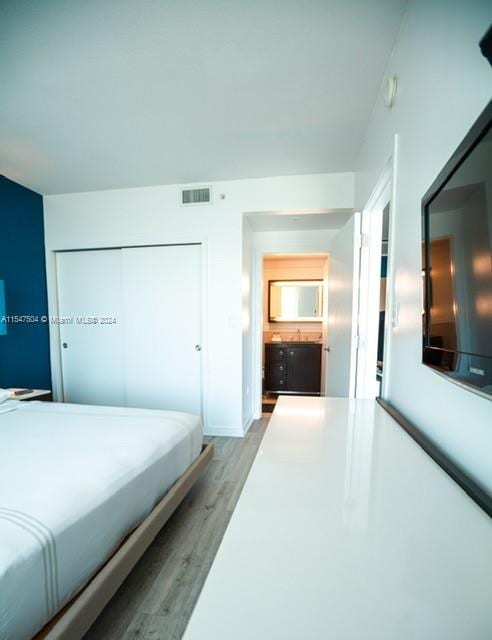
{"x": 390, "y": 91}
{"x": 196, "y": 195}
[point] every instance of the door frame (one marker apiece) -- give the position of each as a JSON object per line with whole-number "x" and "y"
{"x": 54, "y": 310}
{"x": 257, "y": 322}
{"x": 370, "y": 281}
{"x": 324, "y": 327}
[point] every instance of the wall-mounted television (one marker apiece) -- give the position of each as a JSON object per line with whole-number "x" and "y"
{"x": 457, "y": 263}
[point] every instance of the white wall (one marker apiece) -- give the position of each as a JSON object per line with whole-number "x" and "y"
{"x": 152, "y": 215}
{"x": 443, "y": 85}
{"x": 312, "y": 241}
{"x": 247, "y": 324}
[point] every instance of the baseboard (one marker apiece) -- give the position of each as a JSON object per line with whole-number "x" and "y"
{"x": 227, "y": 432}
{"x": 247, "y": 424}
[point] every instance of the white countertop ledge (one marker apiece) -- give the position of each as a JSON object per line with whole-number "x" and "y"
{"x": 347, "y": 530}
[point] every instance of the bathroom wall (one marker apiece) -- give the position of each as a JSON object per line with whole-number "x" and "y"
{"x": 291, "y": 267}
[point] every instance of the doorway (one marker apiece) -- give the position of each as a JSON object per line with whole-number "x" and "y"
{"x": 375, "y": 290}
{"x": 293, "y": 307}
{"x": 382, "y": 299}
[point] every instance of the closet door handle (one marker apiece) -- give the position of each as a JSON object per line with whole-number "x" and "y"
{"x": 198, "y": 347}
{"x": 65, "y": 345}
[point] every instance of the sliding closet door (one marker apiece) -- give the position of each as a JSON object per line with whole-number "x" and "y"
{"x": 162, "y": 307}
{"x": 93, "y": 363}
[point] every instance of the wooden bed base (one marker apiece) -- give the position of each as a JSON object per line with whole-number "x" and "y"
{"x": 74, "y": 620}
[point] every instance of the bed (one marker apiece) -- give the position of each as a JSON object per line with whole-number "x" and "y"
{"x": 83, "y": 491}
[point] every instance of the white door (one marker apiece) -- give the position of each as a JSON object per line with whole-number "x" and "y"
{"x": 162, "y": 308}
{"x": 342, "y": 310}
{"x": 324, "y": 325}
{"x": 92, "y": 357}
{"x": 369, "y": 299}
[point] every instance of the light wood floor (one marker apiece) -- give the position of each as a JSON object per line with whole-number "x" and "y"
{"x": 156, "y": 600}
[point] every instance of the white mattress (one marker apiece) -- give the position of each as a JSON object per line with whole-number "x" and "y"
{"x": 74, "y": 481}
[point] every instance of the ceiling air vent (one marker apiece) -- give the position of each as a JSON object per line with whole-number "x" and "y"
{"x": 198, "y": 195}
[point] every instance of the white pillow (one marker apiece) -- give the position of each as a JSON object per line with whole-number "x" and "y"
{"x": 5, "y": 394}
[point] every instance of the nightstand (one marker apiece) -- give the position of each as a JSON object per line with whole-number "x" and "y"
{"x": 36, "y": 394}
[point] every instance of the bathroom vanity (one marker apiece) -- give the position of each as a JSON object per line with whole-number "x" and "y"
{"x": 293, "y": 367}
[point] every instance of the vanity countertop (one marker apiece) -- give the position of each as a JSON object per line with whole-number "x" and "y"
{"x": 291, "y": 342}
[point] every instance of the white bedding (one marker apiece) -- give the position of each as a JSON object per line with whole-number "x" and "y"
{"x": 74, "y": 481}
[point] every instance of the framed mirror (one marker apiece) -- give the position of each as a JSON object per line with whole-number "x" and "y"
{"x": 295, "y": 300}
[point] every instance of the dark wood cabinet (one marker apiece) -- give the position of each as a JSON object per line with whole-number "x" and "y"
{"x": 293, "y": 368}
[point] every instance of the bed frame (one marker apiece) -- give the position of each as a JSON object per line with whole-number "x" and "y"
{"x": 74, "y": 620}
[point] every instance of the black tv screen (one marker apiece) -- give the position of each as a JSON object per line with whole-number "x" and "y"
{"x": 457, "y": 263}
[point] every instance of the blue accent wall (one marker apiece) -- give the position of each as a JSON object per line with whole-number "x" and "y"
{"x": 24, "y": 350}
{"x": 384, "y": 266}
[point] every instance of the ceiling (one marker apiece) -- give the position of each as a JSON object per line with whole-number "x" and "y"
{"x": 100, "y": 94}
{"x": 268, "y": 221}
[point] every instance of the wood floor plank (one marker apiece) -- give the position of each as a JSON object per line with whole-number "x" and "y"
{"x": 156, "y": 600}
